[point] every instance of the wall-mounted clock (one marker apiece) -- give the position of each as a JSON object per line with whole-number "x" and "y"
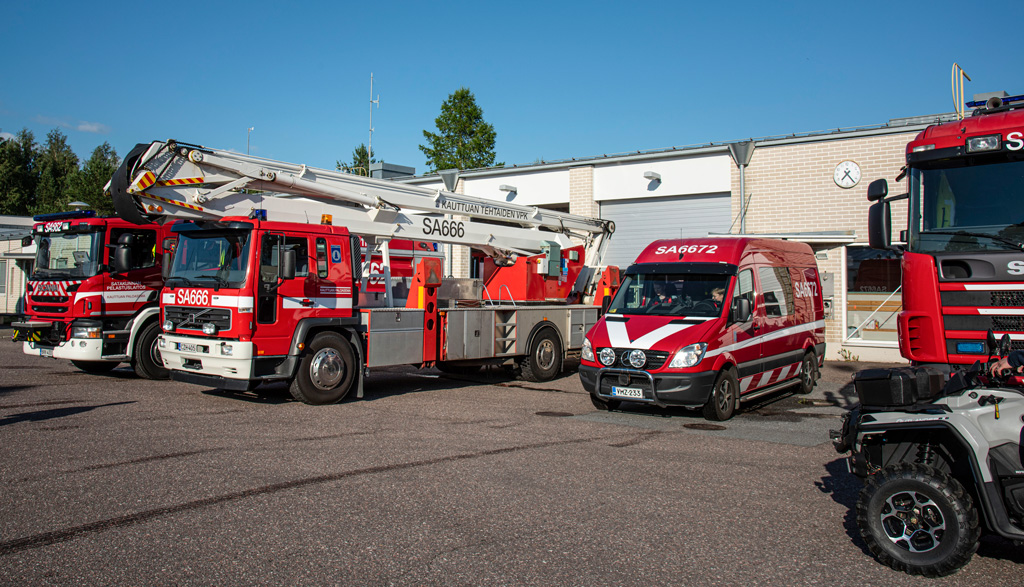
{"x": 847, "y": 174}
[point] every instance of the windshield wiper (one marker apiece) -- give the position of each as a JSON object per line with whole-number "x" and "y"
{"x": 221, "y": 282}
{"x": 1001, "y": 239}
{"x": 185, "y": 280}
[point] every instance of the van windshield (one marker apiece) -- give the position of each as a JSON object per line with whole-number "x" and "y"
{"x": 671, "y": 295}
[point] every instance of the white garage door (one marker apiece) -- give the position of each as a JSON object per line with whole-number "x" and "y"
{"x": 640, "y": 221}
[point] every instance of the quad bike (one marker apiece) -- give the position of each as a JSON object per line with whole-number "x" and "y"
{"x": 941, "y": 459}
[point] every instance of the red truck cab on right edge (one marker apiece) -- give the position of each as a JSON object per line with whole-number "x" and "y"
{"x": 708, "y": 323}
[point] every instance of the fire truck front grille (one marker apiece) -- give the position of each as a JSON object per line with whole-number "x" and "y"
{"x": 50, "y": 309}
{"x": 1008, "y": 298}
{"x": 655, "y": 359}
{"x": 188, "y": 318}
{"x": 50, "y": 299}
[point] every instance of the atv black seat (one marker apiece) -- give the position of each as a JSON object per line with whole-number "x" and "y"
{"x": 888, "y": 389}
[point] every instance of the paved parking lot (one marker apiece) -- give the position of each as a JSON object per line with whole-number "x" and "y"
{"x": 429, "y": 480}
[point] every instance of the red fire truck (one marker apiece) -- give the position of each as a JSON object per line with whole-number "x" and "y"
{"x": 963, "y": 261}
{"x": 92, "y": 297}
{"x": 268, "y": 281}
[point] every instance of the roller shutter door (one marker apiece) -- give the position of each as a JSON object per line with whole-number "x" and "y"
{"x": 640, "y": 221}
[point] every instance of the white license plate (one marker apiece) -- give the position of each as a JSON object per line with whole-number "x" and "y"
{"x": 43, "y": 352}
{"x": 188, "y": 347}
{"x": 628, "y": 392}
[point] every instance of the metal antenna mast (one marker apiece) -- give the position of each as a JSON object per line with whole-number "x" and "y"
{"x": 369, "y": 145}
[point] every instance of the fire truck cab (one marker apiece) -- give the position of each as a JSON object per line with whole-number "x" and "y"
{"x": 92, "y": 296}
{"x": 708, "y": 323}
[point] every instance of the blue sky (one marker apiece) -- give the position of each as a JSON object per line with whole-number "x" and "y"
{"x": 556, "y": 79}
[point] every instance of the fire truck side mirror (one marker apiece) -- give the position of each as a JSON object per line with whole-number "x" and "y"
{"x": 879, "y": 229}
{"x": 288, "y": 264}
{"x": 877, "y": 190}
{"x": 165, "y": 265}
{"x": 123, "y": 253}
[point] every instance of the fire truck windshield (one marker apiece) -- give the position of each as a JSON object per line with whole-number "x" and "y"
{"x": 670, "y": 295}
{"x": 71, "y": 255}
{"x": 967, "y": 206}
{"x": 210, "y": 258}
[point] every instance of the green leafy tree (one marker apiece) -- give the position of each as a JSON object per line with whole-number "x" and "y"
{"x": 463, "y": 140}
{"x": 361, "y": 160}
{"x": 57, "y": 165}
{"x": 18, "y": 174}
{"x": 87, "y": 185}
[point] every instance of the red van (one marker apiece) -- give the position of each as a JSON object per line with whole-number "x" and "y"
{"x": 708, "y": 323}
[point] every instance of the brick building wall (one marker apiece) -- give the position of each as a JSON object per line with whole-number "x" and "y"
{"x": 790, "y": 188}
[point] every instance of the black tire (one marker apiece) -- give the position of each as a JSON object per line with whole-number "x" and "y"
{"x": 604, "y": 404}
{"x": 457, "y": 369}
{"x": 327, "y": 371}
{"x": 544, "y": 361}
{"x": 724, "y": 396}
{"x": 96, "y": 367}
{"x": 933, "y": 504}
{"x": 808, "y": 373}
{"x": 146, "y": 355}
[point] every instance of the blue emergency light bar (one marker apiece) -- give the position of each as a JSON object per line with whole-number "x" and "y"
{"x": 1006, "y": 100}
{"x": 64, "y": 215}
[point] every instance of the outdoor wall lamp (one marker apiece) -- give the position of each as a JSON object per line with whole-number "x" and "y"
{"x": 508, "y": 188}
{"x": 653, "y": 176}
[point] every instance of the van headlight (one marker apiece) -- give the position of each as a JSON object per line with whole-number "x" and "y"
{"x": 587, "y": 354}
{"x": 688, "y": 356}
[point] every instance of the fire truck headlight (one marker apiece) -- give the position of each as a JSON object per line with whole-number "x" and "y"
{"x": 985, "y": 143}
{"x": 87, "y": 332}
{"x": 161, "y": 343}
{"x": 587, "y": 354}
{"x": 688, "y": 356}
{"x": 226, "y": 350}
{"x": 209, "y": 329}
{"x": 168, "y": 326}
{"x": 606, "y": 356}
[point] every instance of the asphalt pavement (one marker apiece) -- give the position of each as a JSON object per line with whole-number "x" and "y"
{"x": 430, "y": 480}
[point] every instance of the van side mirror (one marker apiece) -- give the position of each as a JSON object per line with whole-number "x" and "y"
{"x": 605, "y": 303}
{"x": 741, "y": 310}
{"x": 288, "y": 264}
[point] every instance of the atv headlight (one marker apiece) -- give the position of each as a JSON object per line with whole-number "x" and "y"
{"x": 688, "y": 356}
{"x": 587, "y": 354}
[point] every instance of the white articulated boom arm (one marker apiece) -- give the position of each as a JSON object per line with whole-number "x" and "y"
{"x": 165, "y": 181}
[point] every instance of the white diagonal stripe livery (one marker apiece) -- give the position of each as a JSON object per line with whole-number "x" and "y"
{"x": 619, "y": 338}
{"x": 317, "y": 303}
{"x": 810, "y": 326}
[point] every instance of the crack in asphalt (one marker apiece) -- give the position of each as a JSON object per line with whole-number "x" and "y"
{"x": 56, "y": 536}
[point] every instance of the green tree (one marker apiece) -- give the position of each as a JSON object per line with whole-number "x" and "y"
{"x": 360, "y": 161}
{"x": 57, "y": 165}
{"x": 18, "y": 174}
{"x": 464, "y": 140}
{"x": 87, "y": 185}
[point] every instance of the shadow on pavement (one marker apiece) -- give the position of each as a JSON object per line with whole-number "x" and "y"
{"x": 43, "y": 415}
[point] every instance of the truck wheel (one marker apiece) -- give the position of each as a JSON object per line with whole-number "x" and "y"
{"x": 722, "y": 402}
{"x": 146, "y": 355}
{"x": 545, "y": 358}
{"x": 918, "y": 520}
{"x": 808, "y": 373}
{"x": 327, "y": 371}
{"x": 604, "y": 404}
